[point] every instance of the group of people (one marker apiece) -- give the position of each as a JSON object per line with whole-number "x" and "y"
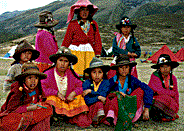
{"x": 51, "y": 89}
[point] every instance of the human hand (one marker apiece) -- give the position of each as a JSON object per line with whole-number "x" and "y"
{"x": 123, "y": 94}
{"x": 101, "y": 98}
{"x": 61, "y": 96}
{"x": 71, "y": 96}
{"x": 32, "y": 107}
{"x": 134, "y": 55}
{"x": 146, "y": 114}
{"x": 85, "y": 92}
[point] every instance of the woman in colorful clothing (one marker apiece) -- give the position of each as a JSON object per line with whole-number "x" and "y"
{"x": 95, "y": 90}
{"x": 45, "y": 42}
{"x": 82, "y": 35}
{"x": 25, "y": 108}
{"x": 164, "y": 85}
{"x": 63, "y": 88}
{"x": 24, "y": 52}
{"x": 125, "y": 43}
{"x": 124, "y": 85}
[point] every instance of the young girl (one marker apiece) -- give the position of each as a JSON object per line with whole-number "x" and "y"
{"x": 24, "y": 108}
{"x": 122, "y": 85}
{"x": 95, "y": 90}
{"x": 125, "y": 43}
{"x": 82, "y": 35}
{"x": 23, "y": 53}
{"x": 45, "y": 41}
{"x": 164, "y": 85}
{"x": 63, "y": 88}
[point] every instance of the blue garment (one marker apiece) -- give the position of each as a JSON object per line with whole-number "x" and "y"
{"x": 129, "y": 48}
{"x": 125, "y": 86}
{"x": 135, "y": 83}
{"x": 92, "y": 97}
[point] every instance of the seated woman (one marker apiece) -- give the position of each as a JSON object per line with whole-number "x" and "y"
{"x": 95, "y": 90}
{"x": 24, "y": 108}
{"x": 64, "y": 89}
{"x": 125, "y": 84}
{"x": 164, "y": 85}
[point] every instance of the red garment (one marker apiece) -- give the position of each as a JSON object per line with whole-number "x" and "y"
{"x": 167, "y": 100}
{"x": 14, "y": 115}
{"x": 75, "y": 36}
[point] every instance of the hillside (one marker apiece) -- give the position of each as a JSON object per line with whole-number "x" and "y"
{"x": 7, "y": 15}
{"x": 158, "y": 21}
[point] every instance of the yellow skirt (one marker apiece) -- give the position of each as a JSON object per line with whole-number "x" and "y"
{"x": 85, "y": 54}
{"x": 70, "y": 109}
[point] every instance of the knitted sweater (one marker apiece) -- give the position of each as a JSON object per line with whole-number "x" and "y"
{"x": 75, "y": 36}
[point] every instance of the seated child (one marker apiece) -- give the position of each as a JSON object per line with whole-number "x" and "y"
{"x": 25, "y": 108}
{"x": 164, "y": 85}
{"x": 95, "y": 90}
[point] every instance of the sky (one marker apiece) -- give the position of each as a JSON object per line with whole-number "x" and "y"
{"x": 12, "y": 5}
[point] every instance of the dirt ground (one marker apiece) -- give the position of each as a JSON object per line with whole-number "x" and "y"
{"x": 144, "y": 73}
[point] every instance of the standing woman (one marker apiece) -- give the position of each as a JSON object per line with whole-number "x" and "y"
{"x": 63, "y": 88}
{"x": 125, "y": 43}
{"x": 123, "y": 85}
{"x": 164, "y": 85}
{"x": 95, "y": 90}
{"x": 82, "y": 35}
{"x": 45, "y": 42}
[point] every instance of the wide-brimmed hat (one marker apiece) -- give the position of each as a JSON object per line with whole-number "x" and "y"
{"x": 123, "y": 60}
{"x": 46, "y": 20}
{"x": 25, "y": 46}
{"x": 164, "y": 59}
{"x": 125, "y": 21}
{"x": 81, "y": 3}
{"x": 30, "y": 68}
{"x": 97, "y": 63}
{"x": 64, "y": 51}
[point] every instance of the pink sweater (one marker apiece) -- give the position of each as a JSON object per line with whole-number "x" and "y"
{"x": 49, "y": 84}
{"x": 46, "y": 45}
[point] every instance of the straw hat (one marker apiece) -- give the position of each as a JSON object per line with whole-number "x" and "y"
{"x": 123, "y": 60}
{"x": 30, "y": 69}
{"x": 64, "y": 51}
{"x": 125, "y": 21}
{"x": 46, "y": 20}
{"x": 164, "y": 59}
{"x": 97, "y": 63}
{"x": 25, "y": 46}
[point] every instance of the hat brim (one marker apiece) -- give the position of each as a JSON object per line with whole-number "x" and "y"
{"x": 120, "y": 26}
{"x": 173, "y": 64}
{"x": 72, "y": 58}
{"x": 37, "y": 73}
{"x": 131, "y": 64}
{"x": 35, "y": 54}
{"x": 54, "y": 23}
{"x": 105, "y": 68}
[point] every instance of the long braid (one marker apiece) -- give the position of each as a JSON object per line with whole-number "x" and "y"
{"x": 73, "y": 72}
{"x": 171, "y": 81}
{"x": 161, "y": 78}
{"x": 133, "y": 45}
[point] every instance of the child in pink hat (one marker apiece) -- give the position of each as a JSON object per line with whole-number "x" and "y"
{"x": 82, "y": 35}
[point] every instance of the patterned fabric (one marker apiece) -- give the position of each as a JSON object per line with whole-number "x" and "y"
{"x": 43, "y": 66}
{"x": 69, "y": 109}
{"x": 10, "y": 77}
{"x": 85, "y": 27}
{"x": 167, "y": 81}
{"x": 61, "y": 83}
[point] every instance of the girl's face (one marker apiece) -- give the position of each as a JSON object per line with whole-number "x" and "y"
{"x": 123, "y": 70}
{"x": 165, "y": 69}
{"x": 25, "y": 56}
{"x": 125, "y": 30}
{"x": 84, "y": 12}
{"x": 31, "y": 81}
{"x": 97, "y": 75}
{"x": 62, "y": 64}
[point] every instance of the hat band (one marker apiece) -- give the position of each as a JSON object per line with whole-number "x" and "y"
{"x": 96, "y": 64}
{"x": 124, "y": 62}
{"x": 28, "y": 68}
